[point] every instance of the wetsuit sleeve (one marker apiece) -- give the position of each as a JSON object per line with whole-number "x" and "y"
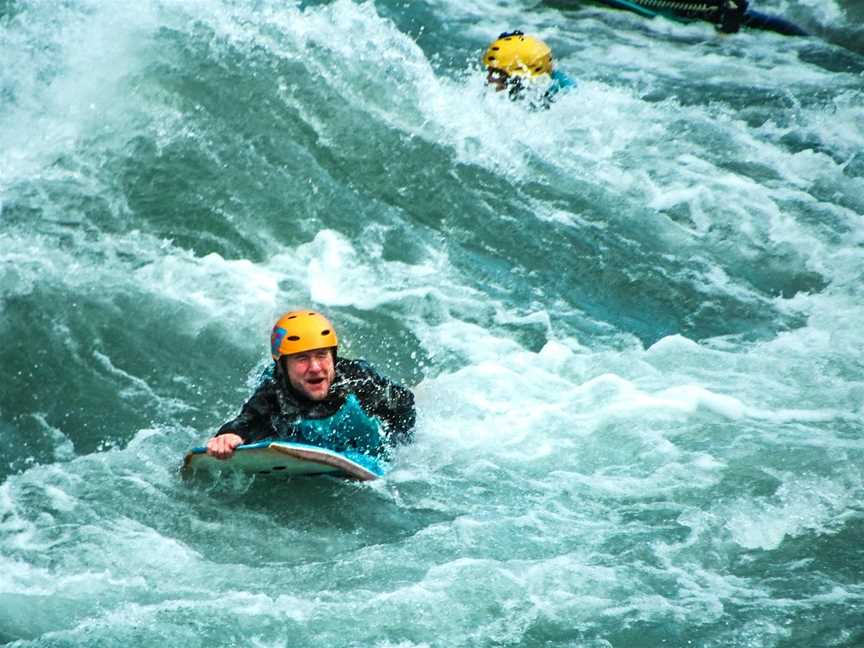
{"x": 391, "y": 403}
{"x": 253, "y": 422}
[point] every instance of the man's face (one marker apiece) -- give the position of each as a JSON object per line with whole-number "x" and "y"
{"x": 311, "y": 373}
{"x": 498, "y": 79}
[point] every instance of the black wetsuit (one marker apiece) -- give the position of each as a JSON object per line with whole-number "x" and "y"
{"x": 275, "y": 410}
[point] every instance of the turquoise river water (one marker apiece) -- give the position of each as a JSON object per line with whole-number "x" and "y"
{"x": 634, "y": 324}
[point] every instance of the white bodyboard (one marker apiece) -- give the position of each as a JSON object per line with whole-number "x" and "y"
{"x": 286, "y": 458}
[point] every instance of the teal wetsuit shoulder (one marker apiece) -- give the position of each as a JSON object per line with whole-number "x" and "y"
{"x": 350, "y": 428}
{"x": 561, "y": 79}
{"x": 560, "y": 83}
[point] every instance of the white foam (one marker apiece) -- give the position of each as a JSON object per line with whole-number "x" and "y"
{"x": 580, "y": 444}
{"x": 64, "y": 90}
{"x": 64, "y": 449}
{"x": 826, "y": 11}
{"x": 212, "y": 284}
{"x": 801, "y": 505}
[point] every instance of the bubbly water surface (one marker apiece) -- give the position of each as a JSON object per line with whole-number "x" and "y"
{"x": 633, "y": 323}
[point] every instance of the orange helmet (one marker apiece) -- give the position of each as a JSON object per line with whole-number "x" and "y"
{"x": 299, "y": 331}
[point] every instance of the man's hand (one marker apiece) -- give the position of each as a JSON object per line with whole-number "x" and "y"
{"x": 222, "y": 446}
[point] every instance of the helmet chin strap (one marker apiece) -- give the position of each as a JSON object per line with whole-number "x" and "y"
{"x": 282, "y": 372}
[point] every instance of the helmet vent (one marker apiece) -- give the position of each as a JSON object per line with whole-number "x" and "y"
{"x": 325, "y": 332}
{"x": 294, "y": 338}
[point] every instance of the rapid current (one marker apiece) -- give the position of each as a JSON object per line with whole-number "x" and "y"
{"x": 634, "y": 324}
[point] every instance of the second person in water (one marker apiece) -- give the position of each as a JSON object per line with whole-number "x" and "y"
{"x": 518, "y": 63}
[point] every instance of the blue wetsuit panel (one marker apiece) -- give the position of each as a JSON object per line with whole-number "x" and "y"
{"x": 560, "y": 83}
{"x": 350, "y": 428}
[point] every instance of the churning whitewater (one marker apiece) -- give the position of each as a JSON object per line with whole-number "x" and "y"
{"x": 633, "y": 324}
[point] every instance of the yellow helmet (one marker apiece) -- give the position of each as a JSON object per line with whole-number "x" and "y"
{"x": 299, "y": 331}
{"x": 518, "y": 54}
